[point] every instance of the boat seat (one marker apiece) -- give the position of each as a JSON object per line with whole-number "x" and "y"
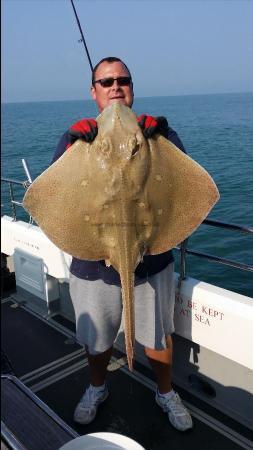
{"x": 27, "y": 422}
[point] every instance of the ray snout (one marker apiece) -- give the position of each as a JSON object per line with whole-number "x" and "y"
{"x": 117, "y": 116}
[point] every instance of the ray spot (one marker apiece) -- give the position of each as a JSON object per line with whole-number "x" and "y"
{"x": 158, "y": 177}
{"x": 112, "y": 243}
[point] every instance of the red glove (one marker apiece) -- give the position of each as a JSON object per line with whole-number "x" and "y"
{"x": 85, "y": 129}
{"x": 151, "y": 125}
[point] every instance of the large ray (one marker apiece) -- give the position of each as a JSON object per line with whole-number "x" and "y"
{"x": 120, "y": 197}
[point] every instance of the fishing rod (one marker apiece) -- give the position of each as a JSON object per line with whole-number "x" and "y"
{"x": 82, "y": 39}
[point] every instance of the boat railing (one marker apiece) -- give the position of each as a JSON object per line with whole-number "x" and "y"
{"x": 220, "y": 260}
{"x": 13, "y": 202}
{"x": 182, "y": 248}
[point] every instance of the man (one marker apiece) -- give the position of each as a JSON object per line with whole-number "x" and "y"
{"x": 95, "y": 288}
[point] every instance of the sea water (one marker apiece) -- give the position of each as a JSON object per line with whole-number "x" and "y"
{"x": 217, "y": 132}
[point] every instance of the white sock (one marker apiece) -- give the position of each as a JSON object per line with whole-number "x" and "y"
{"x": 167, "y": 395}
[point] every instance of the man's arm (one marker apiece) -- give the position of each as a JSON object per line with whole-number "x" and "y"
{"x": 159, "y": 125}
{"x": 173, "y": 137}
{"x": 85, "y": 129}
{"x": 61, "y": 147}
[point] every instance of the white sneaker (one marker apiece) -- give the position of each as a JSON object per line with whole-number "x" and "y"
{"x": 178, "y": 415}
{"x": 86, "y": 409}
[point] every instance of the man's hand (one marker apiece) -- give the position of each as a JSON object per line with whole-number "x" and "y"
{"x": 152, "y": 125}
{"x": 85, "y": 129}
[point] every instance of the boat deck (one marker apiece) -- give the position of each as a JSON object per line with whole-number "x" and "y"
{"x": 47, "y": 359}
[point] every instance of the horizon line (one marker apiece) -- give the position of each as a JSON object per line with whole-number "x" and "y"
{"x": 136, "y": 97}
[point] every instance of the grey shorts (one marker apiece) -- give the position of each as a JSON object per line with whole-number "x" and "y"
{"x": 98, "y": 311}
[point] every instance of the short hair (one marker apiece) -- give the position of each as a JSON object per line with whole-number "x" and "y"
{"x": 110, "y": 60}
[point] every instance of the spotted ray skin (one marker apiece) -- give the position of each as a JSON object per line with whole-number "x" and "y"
{"x": 120, "y": 197}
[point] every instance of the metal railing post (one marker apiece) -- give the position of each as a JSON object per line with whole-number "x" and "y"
{"x": 13, "y": 207}
{"x": 182, "y": 274}
{"x": 183, "y": 248}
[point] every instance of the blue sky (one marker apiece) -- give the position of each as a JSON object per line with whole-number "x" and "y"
{"x": 171, "y": 47}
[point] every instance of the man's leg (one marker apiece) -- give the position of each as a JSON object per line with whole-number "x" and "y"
{"x": 97, "y": 391}
{"x": 161, "y": 363}
{"x": 98, "y": 310}
{"x": 167, "y": 399}
{"x": 98, "y": 365}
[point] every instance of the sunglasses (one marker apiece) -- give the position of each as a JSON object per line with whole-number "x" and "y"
{"x": 108, "y": 82}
